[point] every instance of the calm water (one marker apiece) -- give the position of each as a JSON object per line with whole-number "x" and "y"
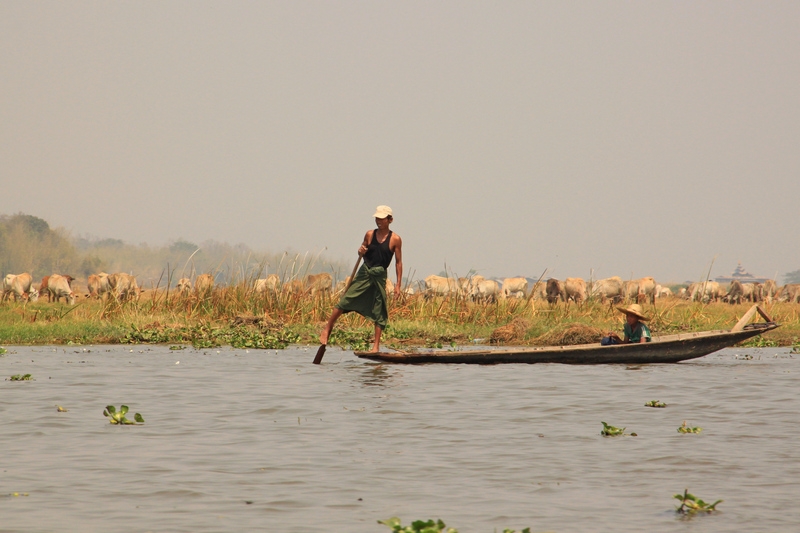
{"x": 334, "y": 448}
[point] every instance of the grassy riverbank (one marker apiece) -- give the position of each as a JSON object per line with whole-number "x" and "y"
{"x": 238, "y": 317}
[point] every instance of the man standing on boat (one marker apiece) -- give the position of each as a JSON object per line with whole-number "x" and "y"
{"x": 366, "y": 294}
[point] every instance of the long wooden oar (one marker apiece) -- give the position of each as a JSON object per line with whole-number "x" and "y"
{"x": 321, "y": 349}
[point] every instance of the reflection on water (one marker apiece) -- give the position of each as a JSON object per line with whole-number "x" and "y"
{"x": 379, "y": 375}
{"x": 248, "y": 440}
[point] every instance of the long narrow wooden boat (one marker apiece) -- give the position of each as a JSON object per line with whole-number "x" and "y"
{"x": 662, "y": 349}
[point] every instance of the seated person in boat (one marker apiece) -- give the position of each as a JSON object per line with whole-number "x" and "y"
{"x": 635, "y": 330}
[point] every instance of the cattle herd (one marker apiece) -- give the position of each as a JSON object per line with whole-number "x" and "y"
{"x": 122, "y": 286}
{"x": 613, "y": 289}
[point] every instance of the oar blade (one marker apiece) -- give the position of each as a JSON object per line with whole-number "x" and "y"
{"x": 320, "y": 353}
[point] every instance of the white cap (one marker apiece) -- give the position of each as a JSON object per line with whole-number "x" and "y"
{"x": 383, "y": 211}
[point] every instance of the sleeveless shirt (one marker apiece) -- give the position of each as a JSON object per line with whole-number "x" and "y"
{"x": 378, "y": 253}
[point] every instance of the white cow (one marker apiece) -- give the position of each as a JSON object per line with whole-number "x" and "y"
{"x": 98, "y": 285}
{"x": 439, "y": 286}
{"x": 769, "y": 290}
{"x": 608, "y": 289}
{"x": 58, "y": 287}
{"x": 705, "y": 291}
{"x": 663, "y": 292}
{"x": 484, "y": 290}
{"x": 790, "y": 293}
{"x": 123, "y": 286}
{"x": 516, "y": 287}
{"x": 184, "y": 286}
{"x": 270, "y": 283}
{"x": 17, "y": 285}
{"x": 575, "y": 289}
{"x": 539, "y": 291}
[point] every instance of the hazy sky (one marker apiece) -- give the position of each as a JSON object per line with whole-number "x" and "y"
{"x": 619, "y": 138}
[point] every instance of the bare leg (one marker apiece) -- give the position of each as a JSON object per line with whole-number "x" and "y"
{"x": 323, "y": 338}
{"x": 376, "y": 347}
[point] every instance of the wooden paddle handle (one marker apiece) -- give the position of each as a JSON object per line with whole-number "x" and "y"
{"x": 321, "y": 349}
{"x": 353, "y": 274}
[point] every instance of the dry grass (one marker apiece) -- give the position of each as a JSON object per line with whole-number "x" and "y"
{"x": 570, "y": 334}
{"x": 414, "y": 320}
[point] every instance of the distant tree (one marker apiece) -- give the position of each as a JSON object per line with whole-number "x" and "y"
{"x": 792, "y": 277}
{"x": 28, "y": 244}
{"x": 91, "y": 264}
{"x": 109, "y": 243}
{"x": 182, "y": 246}
{"x": 32, "y": 224}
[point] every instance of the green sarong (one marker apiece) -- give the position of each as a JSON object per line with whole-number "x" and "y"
{"x": 367, "y": 295}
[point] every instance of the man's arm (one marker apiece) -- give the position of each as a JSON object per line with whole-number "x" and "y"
{"x": 398, "y": 261}
{"x": 363, "y": 248}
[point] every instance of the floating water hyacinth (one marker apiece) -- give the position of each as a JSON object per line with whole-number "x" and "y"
{"x": 428, "y": 526}
{"x": 20, "y": 377}
{"x": 686, "y": 429}
{"x": 655, "y": 403}
{"x": 417, "y": 526}
{"x": 118, "y": 417}
{"x": 611, "y": 431}
{"x": 691, "y": 504}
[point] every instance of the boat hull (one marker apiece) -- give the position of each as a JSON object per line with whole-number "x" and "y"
{"x": 666, "y": 349}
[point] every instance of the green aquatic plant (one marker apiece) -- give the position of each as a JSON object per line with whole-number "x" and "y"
{"x": 417, "y": 526}
{"x": 691, "y": 504}
{"x": 685, "y": 429}
{"x": 20, "y": 377}
{"x": 429, "y": 526}
{"x": 3, "y": 351}
{"x": 203, "y": 336}
{"x": 177, "y": 347}
{"x": 118, "y": 417}
{"x": 759, "y": 342}
{"x": 611, "y": 431}
{"x": 655, "y": 403}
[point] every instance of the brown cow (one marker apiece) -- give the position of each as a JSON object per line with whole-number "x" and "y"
{"x": 555, "y": 291}
{"x": 204, "y": 283}
{"x": 43, "y": 287}
{"x": 318, "y": 283}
